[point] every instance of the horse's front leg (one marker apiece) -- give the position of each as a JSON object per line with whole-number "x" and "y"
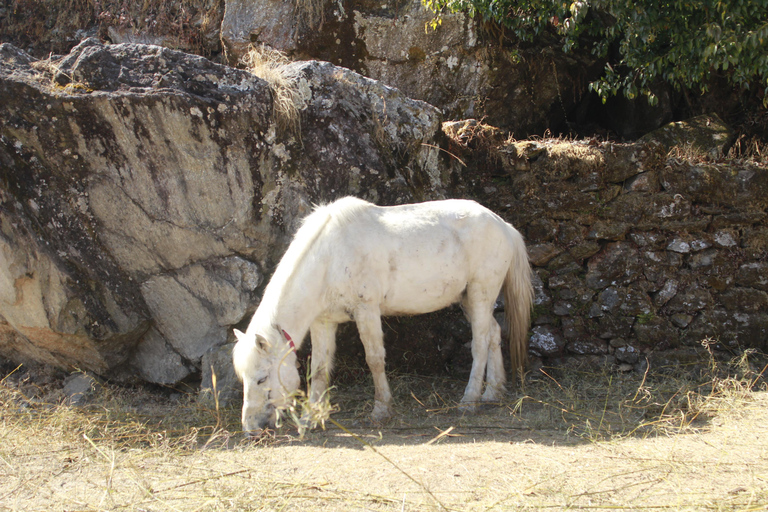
{"x": 323, "y": 349}
{"x": 368, "y": 320}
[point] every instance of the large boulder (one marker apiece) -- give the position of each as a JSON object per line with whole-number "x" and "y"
{"x": 147, "y": 193}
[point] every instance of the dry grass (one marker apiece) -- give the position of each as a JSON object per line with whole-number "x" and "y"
{"x": 274, "y": 68}
{"x": 678, "y": 438}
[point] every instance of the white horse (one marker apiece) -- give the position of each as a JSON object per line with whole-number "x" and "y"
{"x": 355, "y": 261}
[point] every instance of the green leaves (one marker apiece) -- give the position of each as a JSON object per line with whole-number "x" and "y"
{"x": 681, "y": 42}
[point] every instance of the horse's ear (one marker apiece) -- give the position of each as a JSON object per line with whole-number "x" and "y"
{"x": 262, "y": 343}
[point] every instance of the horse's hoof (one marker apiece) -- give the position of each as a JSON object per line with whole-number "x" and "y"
{"x": 381, "y": 414}
{"x": 489, "y": 398}
{"x": 467, "y": 407}
{"x": 304, "y": 424}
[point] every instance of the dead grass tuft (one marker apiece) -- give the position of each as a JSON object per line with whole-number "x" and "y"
{"x": 274, "y": 67}
{"x": 471, "y": 134}
{"x": 691, "y": 154}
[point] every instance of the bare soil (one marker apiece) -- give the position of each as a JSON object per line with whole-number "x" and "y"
{"x": 679, "y": 439}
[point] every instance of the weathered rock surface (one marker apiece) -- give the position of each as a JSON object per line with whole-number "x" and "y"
{"x": 461, "y": 67}
{"x": 146, "y": 193}
{"x": 79, "y": 388}
{"x": 707, "y": 134}
{"x": 220, "y": 384}
{"x": 456, "y": 67}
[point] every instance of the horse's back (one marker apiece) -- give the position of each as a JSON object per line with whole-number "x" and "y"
{"x": 418, "y": 257}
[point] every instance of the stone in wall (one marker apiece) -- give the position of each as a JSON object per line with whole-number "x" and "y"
{"x": 707, "y": 134}
{"x": 271, "y": 22}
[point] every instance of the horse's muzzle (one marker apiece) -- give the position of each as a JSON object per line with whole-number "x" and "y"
{"x": 254, "y": 426}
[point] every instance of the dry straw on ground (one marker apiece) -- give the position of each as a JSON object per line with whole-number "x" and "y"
{"x": 675, "y": 438}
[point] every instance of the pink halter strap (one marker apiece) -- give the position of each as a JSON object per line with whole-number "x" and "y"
{"x": 289, "y": 340}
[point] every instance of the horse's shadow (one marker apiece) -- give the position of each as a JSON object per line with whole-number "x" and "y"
{"x": 557, "y": 407}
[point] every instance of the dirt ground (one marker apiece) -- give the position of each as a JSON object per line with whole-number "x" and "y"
{"x": 723, "y": 466}
{"x": 602, "y": 442}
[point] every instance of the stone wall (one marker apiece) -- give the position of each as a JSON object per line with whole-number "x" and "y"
{"x": 636, "y": 252}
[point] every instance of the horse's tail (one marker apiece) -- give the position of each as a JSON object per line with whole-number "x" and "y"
{"x": 518, "y": 301}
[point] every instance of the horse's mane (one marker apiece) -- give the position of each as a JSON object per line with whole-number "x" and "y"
{"x": 326, "y": 216}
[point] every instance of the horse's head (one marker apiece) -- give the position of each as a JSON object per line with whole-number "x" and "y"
{"x": 269, "y": 374}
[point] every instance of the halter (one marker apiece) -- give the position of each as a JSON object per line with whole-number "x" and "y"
{"x": 289, "y": 340}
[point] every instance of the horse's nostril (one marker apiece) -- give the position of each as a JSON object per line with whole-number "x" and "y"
{"x": 259, "y": 434}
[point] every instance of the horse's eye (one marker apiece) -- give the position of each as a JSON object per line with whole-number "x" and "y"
{"x": 261, "y": 381}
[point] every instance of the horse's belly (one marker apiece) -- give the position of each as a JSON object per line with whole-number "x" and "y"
{"x": 415, "y": 296}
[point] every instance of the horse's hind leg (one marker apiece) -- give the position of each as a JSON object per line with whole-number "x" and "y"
{"x": 495, "y": 376}
{"x": 368, "y": 320}
{"x": 478, "y": 306}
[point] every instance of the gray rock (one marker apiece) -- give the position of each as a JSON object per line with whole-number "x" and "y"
{"x": 541, "y": 254}
{"x": 618, "y": 264}
{"x": 270, "y": 22}
{"x": 615, "y": 326}
{"x": 587, "y": 347}
{"x": 79, "y": 388}
{"x": 157, "y": 362}
{"x": 627, "y": 354}
{"x": 705, "y": 259}
{"x": 220, "y": 383}
{"x": 668, "y": 291}
{"x": 651, "y": 240}
{"x": 656, "y": 332}
{"x": 604, "y": 230}
{"x": 678, "y": 245}
{"x": 754, "y": 275}
{"x": 542, "y": 297}
{"x": 725, "y": 238}
{"x": 744, "y": 300}
{"x": 546, "y": 341}
{"x": 693, "y": 298}
{"x": 189, "y": 325}
{"x": 194, "y": 308}
{"x": 149, "y": 187}
{"x": 636, "y": 302}
{"x": 681, "y": 320}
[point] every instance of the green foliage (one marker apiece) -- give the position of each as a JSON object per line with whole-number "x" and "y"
{"x": 683, "y": 42}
